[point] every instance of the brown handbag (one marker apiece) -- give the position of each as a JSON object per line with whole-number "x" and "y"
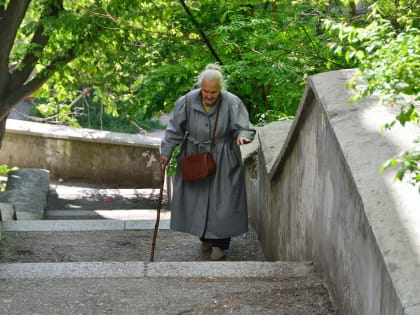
{"x": 198, "y": 166}
{"x": 202, "y": 165}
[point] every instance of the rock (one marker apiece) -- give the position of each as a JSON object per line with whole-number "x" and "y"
{"x": 7, "y": 212}
{"x": 27, "y": 191}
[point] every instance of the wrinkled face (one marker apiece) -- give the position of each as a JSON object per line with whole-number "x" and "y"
{"x": 210, "y": 90}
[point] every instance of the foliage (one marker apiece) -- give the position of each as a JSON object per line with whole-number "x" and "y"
{"x": 4, "y": 170}
{"x": 386, "y": 53}
{"x": 139, "y": 56}
{"x": 61, "y": 113}
{"x": 173, "y": 161}
{"x": 268, "y": 49}
{"x": 113, "y": 61}
{"x": 87, "y": 113}
{"x": 98, "y": 45}
{"x": 408, "y": 164}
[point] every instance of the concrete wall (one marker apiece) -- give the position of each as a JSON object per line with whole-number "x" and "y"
{"x": 315, "y": 193}
{"x": 98, "y": 157}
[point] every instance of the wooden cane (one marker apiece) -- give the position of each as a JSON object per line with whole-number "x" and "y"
{"x": 162, "y": 181}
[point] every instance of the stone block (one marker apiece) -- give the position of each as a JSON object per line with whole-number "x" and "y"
{"x": 27, "y": 190}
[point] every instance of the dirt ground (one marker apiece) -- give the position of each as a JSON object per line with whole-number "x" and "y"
{"x": 126, "y": 245}
{"x": 120, "y": 246}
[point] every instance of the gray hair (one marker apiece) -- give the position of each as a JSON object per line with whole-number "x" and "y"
{"x": 212, "y": 72}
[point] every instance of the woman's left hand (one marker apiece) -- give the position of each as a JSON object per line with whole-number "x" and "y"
{"x": 242, "y": 140}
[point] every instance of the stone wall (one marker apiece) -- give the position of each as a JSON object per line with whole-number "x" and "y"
{"x": 98, "y": 157}
{"x": 315, "y": 193}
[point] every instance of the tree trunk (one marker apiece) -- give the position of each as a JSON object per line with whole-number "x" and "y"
{"x": 2, "y": 130}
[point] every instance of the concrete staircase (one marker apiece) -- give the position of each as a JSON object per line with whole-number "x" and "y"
{"x": 91, "y": 256}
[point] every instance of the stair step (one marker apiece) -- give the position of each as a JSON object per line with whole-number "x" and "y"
{"x": 81, "y": 225}
{"x": 245, "y": 288}
{"x": 220, "y": 269}
{"x": 114, "y": 214}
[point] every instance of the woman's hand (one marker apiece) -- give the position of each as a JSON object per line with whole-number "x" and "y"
{"x": 164, "y": 160}
{"x": 242, "y": 140}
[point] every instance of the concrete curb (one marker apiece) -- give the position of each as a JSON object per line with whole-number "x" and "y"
{"x": 72, "y": 270}
{"x": 116, "y": 214}
{"x": 81, "y": 225}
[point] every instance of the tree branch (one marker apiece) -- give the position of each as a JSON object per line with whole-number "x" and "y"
{"x": 200, "y": 30}
{"x": 86, "y": 91}
{"x": 303, "y": 53}
{"x": 14, "y": 96}
{"x": 50, "y": 119}
{"x": 38, "y": 42}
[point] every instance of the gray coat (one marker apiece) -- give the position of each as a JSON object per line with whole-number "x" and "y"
{"x": 215, "y": 207}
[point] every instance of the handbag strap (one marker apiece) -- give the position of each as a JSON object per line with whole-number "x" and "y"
{"x": 215, "y": 124}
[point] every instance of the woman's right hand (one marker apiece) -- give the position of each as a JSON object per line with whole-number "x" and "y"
{"x": 164, "y": 160}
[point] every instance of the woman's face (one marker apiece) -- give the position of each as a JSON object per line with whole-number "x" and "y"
{"x": 210, "y": 90}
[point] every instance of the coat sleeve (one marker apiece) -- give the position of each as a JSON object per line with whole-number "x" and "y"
{"x": 175, "y": 130}
{"x": 239, "y": 121}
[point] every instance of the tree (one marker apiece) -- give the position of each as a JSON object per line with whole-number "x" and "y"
{"x": 13, "y": 83}
{"x": 80, "y": 44}
{"x": 267, "y": 48}
{"x": 135, "y": 57}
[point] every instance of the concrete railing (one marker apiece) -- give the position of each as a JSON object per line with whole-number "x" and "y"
{"x": 315, "y": 193}
{"x": 98, "y": 157}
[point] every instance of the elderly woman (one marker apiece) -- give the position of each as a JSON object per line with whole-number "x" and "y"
{"x": 213, "y": 208}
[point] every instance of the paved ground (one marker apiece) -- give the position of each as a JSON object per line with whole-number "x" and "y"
{"x": 115, "y": 245}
